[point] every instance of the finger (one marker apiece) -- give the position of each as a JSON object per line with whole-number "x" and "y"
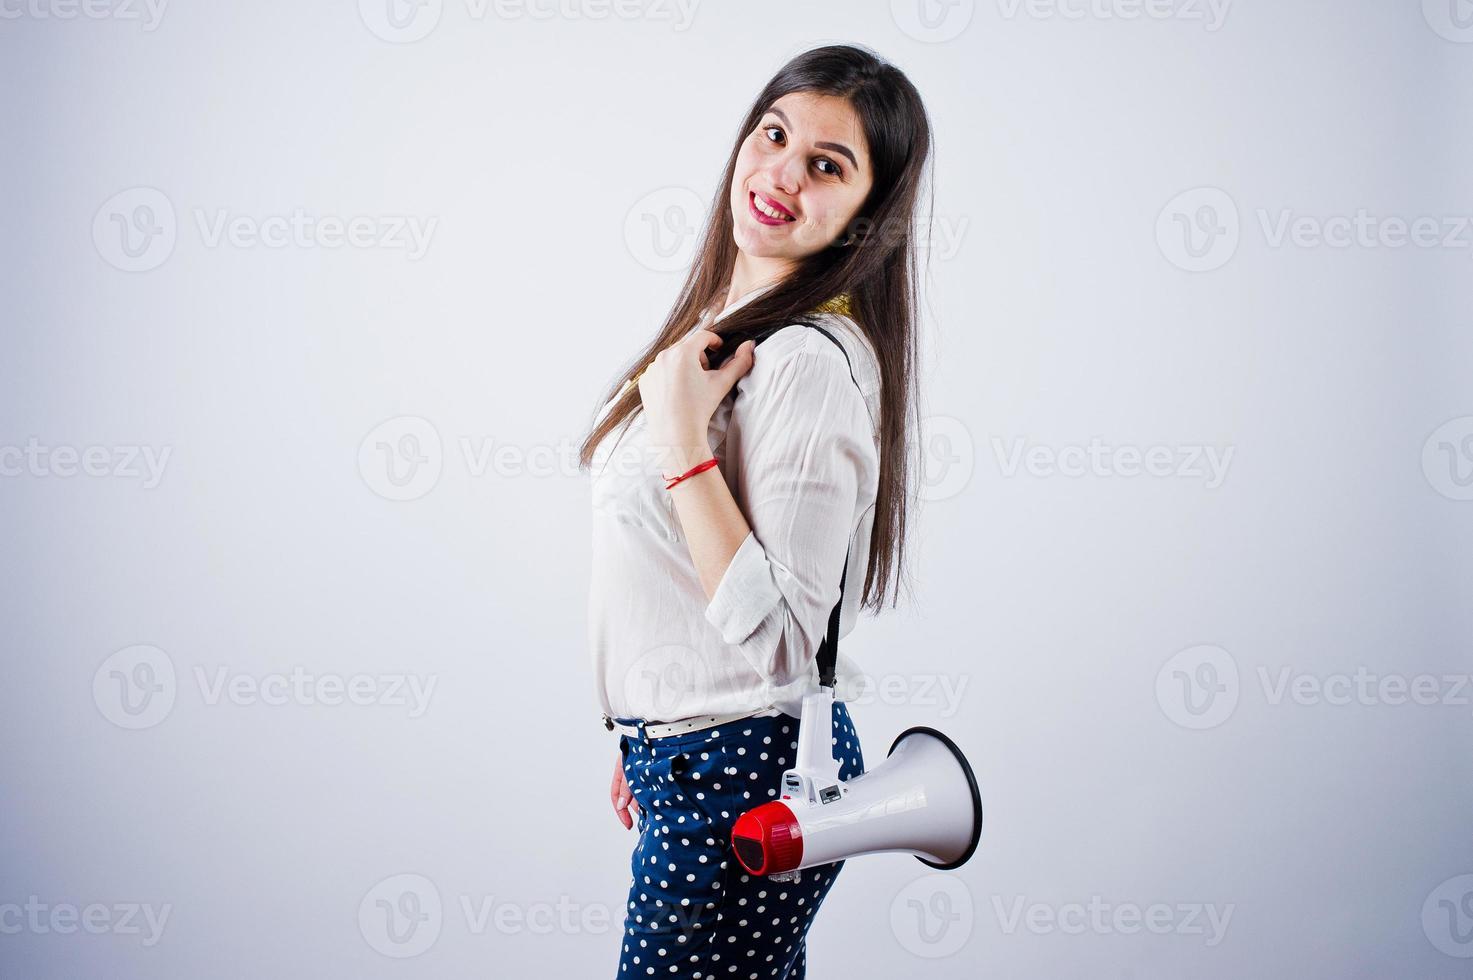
{"x": 739, "y": 363}
{"x": 621, "y": 797}
{"x": 706, "y": 339}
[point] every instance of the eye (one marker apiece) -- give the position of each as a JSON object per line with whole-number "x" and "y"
{"x": 837, "y": 171}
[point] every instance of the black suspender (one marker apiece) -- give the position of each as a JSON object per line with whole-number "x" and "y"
{"x": 828, "y": 650}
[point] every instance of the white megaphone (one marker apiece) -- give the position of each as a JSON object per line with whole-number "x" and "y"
{"x": 921, "y": 800}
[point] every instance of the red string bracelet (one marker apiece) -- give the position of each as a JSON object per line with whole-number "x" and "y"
{"x": 698, "y": 468}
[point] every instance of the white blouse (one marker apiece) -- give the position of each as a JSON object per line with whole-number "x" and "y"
{"x": 798, "y": 445}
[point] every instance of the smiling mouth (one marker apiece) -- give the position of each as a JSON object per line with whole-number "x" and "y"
{"x": 769, "y": 209}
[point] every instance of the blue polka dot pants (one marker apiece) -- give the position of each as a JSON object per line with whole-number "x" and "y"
{"x": 693, "y": 912}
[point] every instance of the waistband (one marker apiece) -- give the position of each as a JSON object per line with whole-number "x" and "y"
{"x": 639, "y": 728}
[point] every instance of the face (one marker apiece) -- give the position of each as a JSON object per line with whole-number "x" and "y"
{"x": 807, "y": 162}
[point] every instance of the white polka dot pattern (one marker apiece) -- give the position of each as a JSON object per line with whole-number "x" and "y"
{"x": 693, "y": 911}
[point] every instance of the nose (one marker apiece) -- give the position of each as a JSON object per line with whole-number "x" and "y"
{"x": 785, "y": 173}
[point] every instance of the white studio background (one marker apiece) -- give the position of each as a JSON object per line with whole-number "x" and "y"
{"x": 1215, "y": 709}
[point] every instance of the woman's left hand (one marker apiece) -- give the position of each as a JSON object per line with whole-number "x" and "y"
{"x": 680, "y": 393}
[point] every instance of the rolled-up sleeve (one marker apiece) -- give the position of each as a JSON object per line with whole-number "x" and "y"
{"x": 800, "y": 447}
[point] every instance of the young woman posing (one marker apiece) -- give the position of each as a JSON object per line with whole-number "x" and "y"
{"x": 713, "y": 582}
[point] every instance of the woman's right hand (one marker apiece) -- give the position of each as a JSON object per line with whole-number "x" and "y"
{"x": 623, "y": 800}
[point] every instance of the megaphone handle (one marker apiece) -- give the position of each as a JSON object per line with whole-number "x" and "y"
{"x": 815, "y": 739}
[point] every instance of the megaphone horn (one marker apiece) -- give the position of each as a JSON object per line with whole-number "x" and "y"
{"x": 921, "y": 800}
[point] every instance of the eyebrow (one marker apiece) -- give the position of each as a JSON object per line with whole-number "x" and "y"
{"x": 836, "y": 147}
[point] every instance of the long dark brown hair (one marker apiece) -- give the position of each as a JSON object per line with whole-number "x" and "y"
{"x": 878, "y": 271}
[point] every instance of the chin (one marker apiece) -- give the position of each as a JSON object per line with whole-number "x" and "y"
{"x": 750, "y": 243}
{"x": 755, "y": 250}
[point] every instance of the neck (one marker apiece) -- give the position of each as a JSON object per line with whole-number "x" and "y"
{"x": 750, "y": 273}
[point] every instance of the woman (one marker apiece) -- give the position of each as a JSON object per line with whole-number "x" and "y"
{"x": 743, "y": 489}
